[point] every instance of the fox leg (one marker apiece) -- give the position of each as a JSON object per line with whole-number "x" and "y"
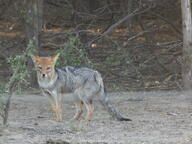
{"x": 79, "y": 110}
{"x": 56, "y": 108}
{"x": 53, "y": 108}
{"x": 59, "y": 111}
{"x": 90, "y": 108}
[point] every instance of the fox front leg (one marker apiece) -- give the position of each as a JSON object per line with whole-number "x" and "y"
{"x": 56, "y": 106}
{"x": 51, "y": 102}
{"x": 59, "y": 111}
{"x": 55, "y": 111}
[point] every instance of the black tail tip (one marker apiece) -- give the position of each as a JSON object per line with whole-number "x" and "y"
{"x": 125, "y": 119}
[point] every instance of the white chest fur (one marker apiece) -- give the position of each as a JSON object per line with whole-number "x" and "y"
{"x": 46, "y": 84}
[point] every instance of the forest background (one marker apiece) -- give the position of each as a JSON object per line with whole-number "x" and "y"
{"x": 135, "y": 44}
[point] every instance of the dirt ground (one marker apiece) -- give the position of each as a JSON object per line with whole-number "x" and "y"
{"x": 158, "y": 118}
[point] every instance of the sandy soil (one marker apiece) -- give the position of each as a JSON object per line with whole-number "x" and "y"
{"x": 158, "y": 118}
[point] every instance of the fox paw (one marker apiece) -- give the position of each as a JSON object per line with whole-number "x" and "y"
{"x": 57, "y": 119}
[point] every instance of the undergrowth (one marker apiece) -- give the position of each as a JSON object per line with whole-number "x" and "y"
{"x": 20, "y": 72}
{"x": 73, "y": 53}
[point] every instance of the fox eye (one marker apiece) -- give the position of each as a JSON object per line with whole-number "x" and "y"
{"x": 48, "y": 68}
{"x": 39, "y": 67}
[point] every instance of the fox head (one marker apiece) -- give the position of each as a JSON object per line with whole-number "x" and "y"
{"x": 45, "y": 66}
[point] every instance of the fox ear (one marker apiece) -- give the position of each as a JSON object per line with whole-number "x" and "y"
{"x": 34, "y": 58}
{"x": 55, "y": 57}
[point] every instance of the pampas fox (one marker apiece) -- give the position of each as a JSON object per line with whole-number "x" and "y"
{"x": 84, "y": 83}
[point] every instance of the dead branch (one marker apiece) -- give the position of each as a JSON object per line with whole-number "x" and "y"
{"x": 136, "y": 12}
{"x": 141, "y": 33}
{"x": 11, "y": 85}
{"x": 52, "y": 45}
{"x": 178, "y": 31}
{"x": 167, "y": 50}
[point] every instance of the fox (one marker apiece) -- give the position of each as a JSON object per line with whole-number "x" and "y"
{"x": 85, "y": 84}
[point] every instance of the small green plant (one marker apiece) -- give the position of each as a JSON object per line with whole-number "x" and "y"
{"x": 20, "y": 72}
{"x": 2, "y": 88}
{"x": 73, "y": 53}
{"x": 19, "y": 66}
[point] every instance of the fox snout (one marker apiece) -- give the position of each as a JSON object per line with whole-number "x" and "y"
{"x": 43, "y": 75}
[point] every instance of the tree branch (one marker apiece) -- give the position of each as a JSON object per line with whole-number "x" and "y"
{"x": 11, "y": 85}
{"x": 136, "y": 12}
{"x": 168, "y": 22}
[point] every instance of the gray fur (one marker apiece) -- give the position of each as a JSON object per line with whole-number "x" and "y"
{"x": 85, "y": 84}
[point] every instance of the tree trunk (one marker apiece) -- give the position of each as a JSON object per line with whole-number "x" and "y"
{"x": 187, "y": 44}
{"x": 34, "y": 24}
{"x": 34, "y": 21}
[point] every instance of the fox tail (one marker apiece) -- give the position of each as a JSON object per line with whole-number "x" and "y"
{"x": 105, "y": 102}
{"x": 109, "y": 107}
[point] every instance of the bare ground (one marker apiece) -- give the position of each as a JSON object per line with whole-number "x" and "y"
{"x": 158, "y": 118}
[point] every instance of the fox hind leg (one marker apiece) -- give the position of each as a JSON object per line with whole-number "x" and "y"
{"x": 90, "y": 108}
{"x": 79, "y": 110}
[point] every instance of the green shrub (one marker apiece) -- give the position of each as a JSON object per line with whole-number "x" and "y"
{"x": 20, "y": 72}
{"x": 73, "y": 53}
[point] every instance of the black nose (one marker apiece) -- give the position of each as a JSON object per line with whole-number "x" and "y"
{"x": 43, "y": 75}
